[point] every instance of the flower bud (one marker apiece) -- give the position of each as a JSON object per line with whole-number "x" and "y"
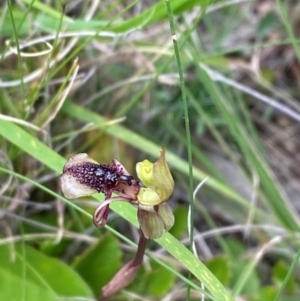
{"x": 100, "y": 216}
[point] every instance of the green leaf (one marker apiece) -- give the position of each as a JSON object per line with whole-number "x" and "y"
{"x": 99, "y": 264}
{"x": 6, "y": 28}
{"x": 235, "y": 247}
{"x": 154, "y": 281}
{"x": 180, "y": 226}
{"x": 266, "y": 293}
{"x": 279, "y": 273}
{"x": 159, "y": 281}
{"x": 220, "y": 268}
{"x": 244, "y": 277}
{"x": 33, "y": 276}
{"x": 268, "y": 23}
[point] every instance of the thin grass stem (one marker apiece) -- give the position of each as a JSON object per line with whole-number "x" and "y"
{"x": 187, "y": 129}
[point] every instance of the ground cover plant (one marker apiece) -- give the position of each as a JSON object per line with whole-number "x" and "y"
{"x": 213, "y": 86}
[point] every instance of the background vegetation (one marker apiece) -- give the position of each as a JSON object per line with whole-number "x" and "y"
{"x": 101, "y": 77}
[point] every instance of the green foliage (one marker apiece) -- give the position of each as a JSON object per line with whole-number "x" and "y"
{"x": 27, "y": 274}
{"x": 239, "y": 268}
{"x": 236, "y": 248}
{"x": 47, "y": 246}
{"x": 100, "y": 262}
{"x": 219, "y": 266}
{"x": 279, "y": 273}
{"x": 179, "y": 228}
{"x": 267, "y": 24}
{"x": 266, "y": 293}
{"x": 155, "y": 280}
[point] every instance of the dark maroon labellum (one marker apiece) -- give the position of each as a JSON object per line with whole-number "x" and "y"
{"x": 102, "y": 177}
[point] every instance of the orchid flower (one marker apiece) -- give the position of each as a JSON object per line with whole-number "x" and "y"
{"x": 83, "y": 176}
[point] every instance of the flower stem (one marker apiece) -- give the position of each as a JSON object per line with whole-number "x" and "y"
{"x": 138, "y": 259}
{"x": 127, "y": 273}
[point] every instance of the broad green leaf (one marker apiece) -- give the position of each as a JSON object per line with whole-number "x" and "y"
{"x": 235, "y": 247}
{"x": 153, "y": 281}
{"x": 279, "y": 273}
{"x": 160, "y": 281}
{"x": 7, "y": 26}
{"x": 267, "y": 24}
{"x": 32, "y": 276}
{"x": 266, "y": 293}
{"x": 179, "y": 228}
{"x": 244, "y": 277}
{"x": 99, "y": 264}
{"x": 219, "y": 266}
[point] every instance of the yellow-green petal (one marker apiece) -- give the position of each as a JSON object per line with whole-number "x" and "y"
{"x": 157, "y": 177}
{"x": 144, "y": 171}
{"x": 148, "y": 197}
